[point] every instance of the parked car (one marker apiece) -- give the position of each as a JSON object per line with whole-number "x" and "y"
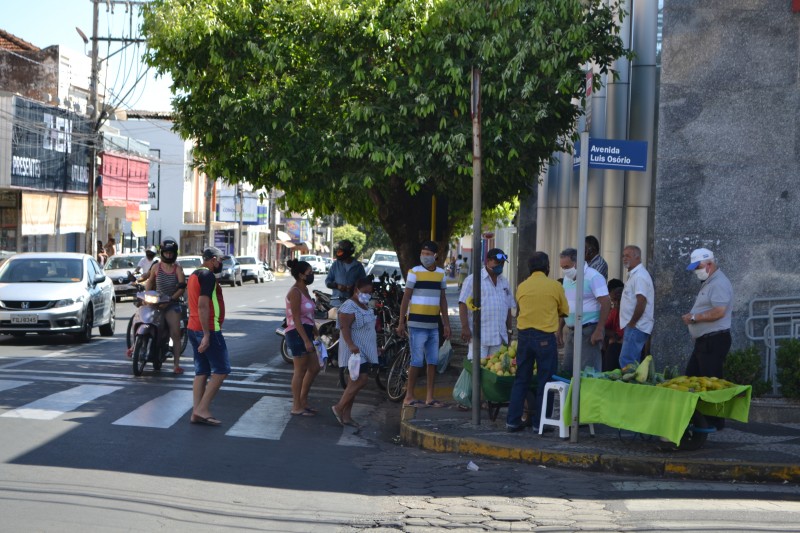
{"x": 316, "y": 262}
{"x": 252, "y": 269}
{"x": 382, "y": 255}
{"x": 231, "y": 272}
{"x": 392, "y": 268}
{"x": 328, "y": 263}
{"x": 189, "y": 263}
{"x": 117, "y": 268}
{"x": 55, "y": 293}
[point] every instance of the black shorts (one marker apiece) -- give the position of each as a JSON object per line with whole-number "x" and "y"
{"x": 295, "y": 342}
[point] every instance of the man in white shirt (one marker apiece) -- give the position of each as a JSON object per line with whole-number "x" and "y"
{"x": 636, "y": 306}
{"x": 596, "y": 305}
{"x": 496, "y": 305}
{"x": 147, "y": 261}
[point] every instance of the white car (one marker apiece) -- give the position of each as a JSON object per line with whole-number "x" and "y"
{"x": 390, "y": 268}
{"x": 382, "y": 256}
{"x": 317, "y": 263}
{"x": 55, "y": 293}
{"x": 189, "y": 263}
{"x": 252, "y": 269}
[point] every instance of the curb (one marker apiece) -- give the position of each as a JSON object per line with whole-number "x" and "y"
{"x": 657, "y": 467}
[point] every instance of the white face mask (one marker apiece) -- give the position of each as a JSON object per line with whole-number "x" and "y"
{"x": 701, "y": 274}
{"x": 570, "y": 273}
{"x": 427, "y": 260}
{"x": 364, "y": 298}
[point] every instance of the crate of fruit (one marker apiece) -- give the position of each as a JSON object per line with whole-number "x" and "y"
{"x": 498, "y": 372}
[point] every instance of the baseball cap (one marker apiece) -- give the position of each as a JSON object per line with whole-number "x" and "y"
{"x": 701, "y": 254}
{"x": 497, "y": 253}
{"x": 212, "y": 251}
{"x": 430, "y": 246}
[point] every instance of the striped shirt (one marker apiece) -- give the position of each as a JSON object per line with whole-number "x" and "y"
{"x": 428, "y": 287}
{"x": 599, "y": 264}
{"x": 362, "y": 331}
{"x": 166, "y": 282}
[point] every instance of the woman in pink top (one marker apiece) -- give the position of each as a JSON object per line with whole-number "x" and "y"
{"x": 300, "y": 332}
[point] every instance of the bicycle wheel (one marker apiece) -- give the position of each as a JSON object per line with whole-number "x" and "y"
{"x": 140, "y": 350}
{"x": 397, "y": 380}
{"x": 281, "y": 268}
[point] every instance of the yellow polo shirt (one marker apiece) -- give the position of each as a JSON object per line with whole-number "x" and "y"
{"x": 541, "y": 301}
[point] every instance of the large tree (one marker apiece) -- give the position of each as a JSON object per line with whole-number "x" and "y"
{"x": 362, "y": 107}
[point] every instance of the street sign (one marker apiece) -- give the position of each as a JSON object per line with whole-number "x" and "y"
{"x": 614, "y": 154}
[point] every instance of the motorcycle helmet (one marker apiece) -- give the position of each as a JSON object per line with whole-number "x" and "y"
{"x": 169, "y": 251}
{"x": 345, "y": 249}
{"x": 151, "y": 252}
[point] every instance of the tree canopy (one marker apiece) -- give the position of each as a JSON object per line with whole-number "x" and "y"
{"x": 362, "y": 107}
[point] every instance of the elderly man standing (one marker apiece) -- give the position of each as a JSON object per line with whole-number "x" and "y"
{"x": 540, "y": 303}
{"x": 496, "y": 305}
{"x": 635, "y": 307}
{"x": 709, "y": 321}
{"x": 596, "y": 305}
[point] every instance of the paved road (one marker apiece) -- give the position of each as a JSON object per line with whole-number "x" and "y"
{"x": 86, "y": 446}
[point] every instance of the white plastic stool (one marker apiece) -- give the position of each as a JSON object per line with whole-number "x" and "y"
{"x": 560, "y": 389}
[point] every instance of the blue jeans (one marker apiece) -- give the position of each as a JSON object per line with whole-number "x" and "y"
{"x": 424, "y": 344}
{"x": 215, "y": 359}
{"x": 632, "y": 345}
{"x": 541, "y": 347}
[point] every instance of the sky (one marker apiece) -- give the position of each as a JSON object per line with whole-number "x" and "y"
{"x": 48, "y": 22}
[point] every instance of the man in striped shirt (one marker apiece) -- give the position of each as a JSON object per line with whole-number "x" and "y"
{"x": 423, "y": 301}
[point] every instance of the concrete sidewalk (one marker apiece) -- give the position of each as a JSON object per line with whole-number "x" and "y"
{"x": 761, "y": 450}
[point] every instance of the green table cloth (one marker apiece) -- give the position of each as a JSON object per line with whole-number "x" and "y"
{"x": 654, "y": 410}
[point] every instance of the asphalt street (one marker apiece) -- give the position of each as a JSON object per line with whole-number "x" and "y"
{"x": 86, "y": 446}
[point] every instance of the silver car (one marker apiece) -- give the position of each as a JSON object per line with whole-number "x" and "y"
{"x": 55, "y": 293}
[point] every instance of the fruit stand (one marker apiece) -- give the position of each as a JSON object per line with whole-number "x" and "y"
{"x": 665, "y": 411}
{"x": 498, "y": 373}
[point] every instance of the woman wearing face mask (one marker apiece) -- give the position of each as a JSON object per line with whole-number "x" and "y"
{"x": 357, "y": 327}
{"x": 300, "y": 332}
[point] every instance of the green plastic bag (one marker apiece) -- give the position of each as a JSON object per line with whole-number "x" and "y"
{"x": 462, "y": 391}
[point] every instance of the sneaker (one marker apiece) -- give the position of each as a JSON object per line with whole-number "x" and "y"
{"x": 515, "y": 429}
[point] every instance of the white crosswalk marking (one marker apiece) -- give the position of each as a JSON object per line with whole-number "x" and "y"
{"x": 55, "y": 405}
{"x": 161, "y": 412}
{"x": 12, "y": 384}
{"x": 265, "y": 420}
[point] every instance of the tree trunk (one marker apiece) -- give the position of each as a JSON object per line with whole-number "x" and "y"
{"x": 406, "y": 220}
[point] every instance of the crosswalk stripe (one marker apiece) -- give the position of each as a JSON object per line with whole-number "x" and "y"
{"x": 12, "y": 384}
{"x": 266, "y": 419}
{"x": 55, "y": 405}
{"x": 161, "y": 412}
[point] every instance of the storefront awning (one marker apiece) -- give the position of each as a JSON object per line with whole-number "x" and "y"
{"x": 73, "y": 214}
{"x": 39, "y": 214}
{"x": 283, "y": 236}
{"x": 287, "y": 244}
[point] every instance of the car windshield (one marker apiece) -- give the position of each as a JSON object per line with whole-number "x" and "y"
{"x": 384, "y": 257}
{"x": 192, "y": 262}
{"x": 308, "y": 258}
{"x": 227, "y": 262}
{"x": 379, "y": 270}
{"x": 118, "y": 262}
{"x": 42, "y": 270}
{"x": 246, "y": 260}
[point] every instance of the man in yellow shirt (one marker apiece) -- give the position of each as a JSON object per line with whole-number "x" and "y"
{"x": 540, "y": 303}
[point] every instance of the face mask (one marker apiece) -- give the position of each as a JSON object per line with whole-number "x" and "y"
{"x": 427, "y": 260}
{"x": 701, "y": 274}
{"x": 570, "y": 273}
{"x": 497, "y": 269}
{"x": 309, "y": 279}
{"x": 364, "y": 298}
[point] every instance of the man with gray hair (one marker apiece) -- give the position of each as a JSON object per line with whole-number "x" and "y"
{"x": 635, "y": 307}
{"x": 709, "y": 321}
{"x": 595, "y": 307}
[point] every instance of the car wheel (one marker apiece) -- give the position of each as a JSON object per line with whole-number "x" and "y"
{"x": 239, "y": 283}
{"x": 107, "y": 330}
{"x": 233, "y": 283}
{"x": 86, "y": 334}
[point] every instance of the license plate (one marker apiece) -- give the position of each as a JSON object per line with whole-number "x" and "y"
{"x": 25, "y": 319}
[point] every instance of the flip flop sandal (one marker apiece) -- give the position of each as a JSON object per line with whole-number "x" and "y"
{"x": 337, "y": 415}
{"x": 436, "y": 403}
{"x": 416, "y": 403}
{"x": 304, "y": 412}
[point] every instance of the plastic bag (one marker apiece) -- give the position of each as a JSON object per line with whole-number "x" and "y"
{"x": 445, "y": 353}
{"x": 462, "y": 391}
{"x": 322, "y": 353}
{"x": 354, "y": 365}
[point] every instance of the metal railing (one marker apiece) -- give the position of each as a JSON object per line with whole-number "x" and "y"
{"x": 771, "y": 320}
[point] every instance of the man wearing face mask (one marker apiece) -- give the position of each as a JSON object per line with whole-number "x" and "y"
{"x": 709, "y": 321}
{"x": 496, "y": 305}
{"x": 596, "y": 305}
{"x": 423, "y": 301}
{"x": 344, "y": 273}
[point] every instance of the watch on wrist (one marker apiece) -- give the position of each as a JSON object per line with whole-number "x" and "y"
{"x": 693, "y": 319}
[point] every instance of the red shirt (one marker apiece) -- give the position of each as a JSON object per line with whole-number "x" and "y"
{"x": 202, "y": 282}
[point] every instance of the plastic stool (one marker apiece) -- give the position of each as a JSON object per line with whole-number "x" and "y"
{"x": 560, "y": 389}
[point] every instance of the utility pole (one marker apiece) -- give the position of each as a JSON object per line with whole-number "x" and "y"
{"x": 476, "y": 245}
{"x": 273, "y": 228}
{"x": 209, "y": 214}
{"x": 240, "y": 198}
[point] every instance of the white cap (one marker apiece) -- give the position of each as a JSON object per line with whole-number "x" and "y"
{"x": 701, "y": 254}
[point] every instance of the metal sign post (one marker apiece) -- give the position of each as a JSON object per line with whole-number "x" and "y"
{"x": 476, "y": 245}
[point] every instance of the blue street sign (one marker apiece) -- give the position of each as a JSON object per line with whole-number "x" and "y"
{"x": 614, "y": 154}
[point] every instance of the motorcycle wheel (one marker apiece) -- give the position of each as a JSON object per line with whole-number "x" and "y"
{"x": 184, "y": 339}
{"x": 129, "y": 332}
{"x": 140, "y": 350}
{"x": 287, "y": 357}
{"x": 397, "y": 379}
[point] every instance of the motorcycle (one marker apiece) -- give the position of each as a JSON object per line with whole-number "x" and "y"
{"x": 325, "y": 321}
{"x": 151, "y": 339}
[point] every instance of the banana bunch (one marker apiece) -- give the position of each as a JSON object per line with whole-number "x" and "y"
{"x": 696, "y": 384}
